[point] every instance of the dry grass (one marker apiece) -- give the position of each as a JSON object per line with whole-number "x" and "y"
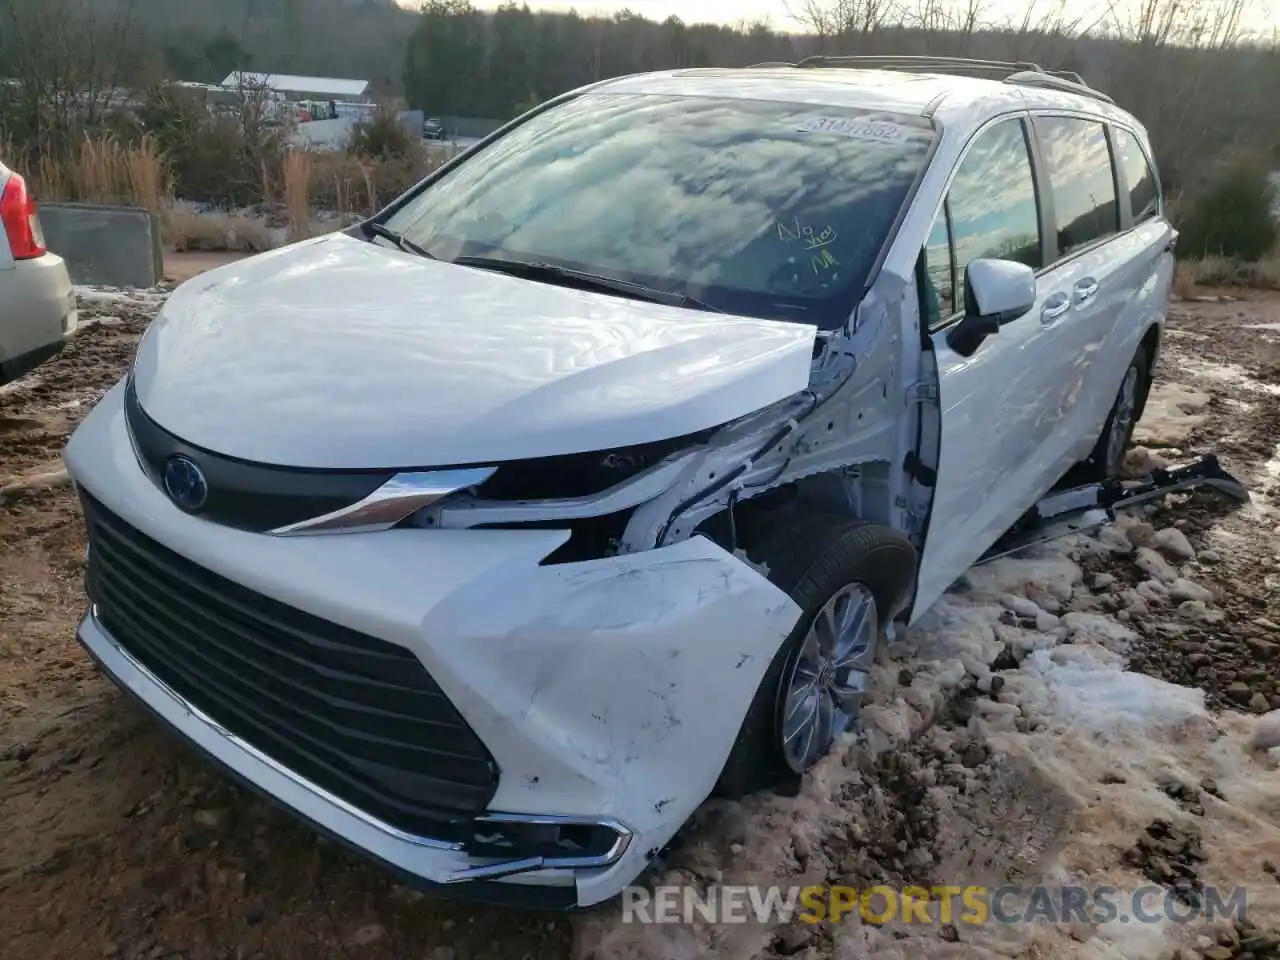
{"x": 103, "y": 170}
{"x": 185, "y": 230}
{"x": 1192, "y": 275}
{"x": 297, "y": 193}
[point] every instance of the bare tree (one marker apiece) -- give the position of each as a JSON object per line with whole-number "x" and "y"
{"x": 64, "y": 61}
{"x": 846, "y": 26}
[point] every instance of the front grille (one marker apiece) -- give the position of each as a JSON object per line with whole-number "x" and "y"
{"x": 358, "y": 717}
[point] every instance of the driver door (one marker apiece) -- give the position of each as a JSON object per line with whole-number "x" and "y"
{"x": 1000, "y": 406}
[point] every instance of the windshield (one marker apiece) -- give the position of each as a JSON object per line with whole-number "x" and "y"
{"x": 757, "y": 208}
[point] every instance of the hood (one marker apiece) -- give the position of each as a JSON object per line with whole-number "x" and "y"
{"x": 341, "y": 354}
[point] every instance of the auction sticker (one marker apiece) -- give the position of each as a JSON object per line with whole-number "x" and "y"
{"x": 880, "y": 131}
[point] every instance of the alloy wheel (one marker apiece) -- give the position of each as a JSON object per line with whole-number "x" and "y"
{"x": 830, "y": 676}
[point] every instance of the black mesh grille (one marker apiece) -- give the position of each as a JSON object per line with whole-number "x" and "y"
{"x": 355, "y": 715}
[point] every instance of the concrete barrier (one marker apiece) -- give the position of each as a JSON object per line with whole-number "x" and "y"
{"x": 105, "y": 246}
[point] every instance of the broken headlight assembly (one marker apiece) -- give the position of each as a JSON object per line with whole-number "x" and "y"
{"x": 577, "y": 475}
{"x": 591, "y": 494}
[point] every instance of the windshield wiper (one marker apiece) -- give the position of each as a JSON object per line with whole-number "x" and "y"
{"x": 550, "y": 272}
{"x": 404, "y": 243}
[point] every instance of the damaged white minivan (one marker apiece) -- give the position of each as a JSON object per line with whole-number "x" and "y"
{"x": 494, "y": 534}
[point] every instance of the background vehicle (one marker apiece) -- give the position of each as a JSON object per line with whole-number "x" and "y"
{"x": 586, "y": 478}
{"x": 37, "y": 305}
{"x": 432, "y": 129}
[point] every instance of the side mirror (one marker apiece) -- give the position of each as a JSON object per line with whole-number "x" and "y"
{"x": 995, "y": 292}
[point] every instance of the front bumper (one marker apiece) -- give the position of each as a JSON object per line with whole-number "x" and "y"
{"x": 609, "y": 690}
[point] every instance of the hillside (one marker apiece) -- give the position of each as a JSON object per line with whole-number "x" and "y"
{"x": 205, "y": 41}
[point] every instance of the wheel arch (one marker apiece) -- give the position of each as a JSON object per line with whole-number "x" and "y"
{"x": 1151, "y": 342}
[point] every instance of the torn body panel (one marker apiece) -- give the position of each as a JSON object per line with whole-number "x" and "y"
{"x": 596, "y": 679}
{"x": 837, "y": 445}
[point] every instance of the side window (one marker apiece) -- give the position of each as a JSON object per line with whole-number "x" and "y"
{"x": 1144, "y": 195}
{"x": 940, "y": 294}
{"x": 1078, "y": 161}
{"x": 993, "y": 202}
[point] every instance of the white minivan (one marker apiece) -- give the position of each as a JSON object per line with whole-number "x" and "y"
{"x": 496, "y": 533}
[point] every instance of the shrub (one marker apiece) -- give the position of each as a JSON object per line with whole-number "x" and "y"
{"x": 232, "y": 158}
{"x": 349, "y": 184}
{"x": 382, "y": 137}
{"x": 1232, "y": 217}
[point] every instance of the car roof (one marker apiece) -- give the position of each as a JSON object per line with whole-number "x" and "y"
{"x": 961, "y": 100}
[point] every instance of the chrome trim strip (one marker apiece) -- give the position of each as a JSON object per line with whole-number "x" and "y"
{"x": 508, "y": 868}
{"x": 495, "y": 871}
{"x": 197, "y": 714}
{"x": 403, "y": 494}
{"x": 613, "y": 854}
{"x": 631, "y": 492}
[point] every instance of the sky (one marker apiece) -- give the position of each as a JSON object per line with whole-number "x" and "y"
{"x": 1262, "y": 14}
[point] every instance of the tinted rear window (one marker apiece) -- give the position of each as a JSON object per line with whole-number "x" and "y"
{"x": 1084, "y": 189}
{"x": 759, "y": 208}
{"x": 1144, "y": 195}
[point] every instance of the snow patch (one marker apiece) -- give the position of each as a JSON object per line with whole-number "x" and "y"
{"x": 1228, "y": 373}
{"x": 1095, "y": 694}
{"x": 1011, "y": 716}
{"x": 91, "y": 296}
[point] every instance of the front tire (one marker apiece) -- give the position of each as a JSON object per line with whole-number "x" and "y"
{"x": 848, "y": 577}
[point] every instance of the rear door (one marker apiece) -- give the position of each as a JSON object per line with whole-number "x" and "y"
{"x": 1088, "y": 272}
{"x": 1000, "y": 406}
{"x": 1144, "y": 264}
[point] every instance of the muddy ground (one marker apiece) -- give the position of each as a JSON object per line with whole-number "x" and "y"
{"x": 972, "y": 766}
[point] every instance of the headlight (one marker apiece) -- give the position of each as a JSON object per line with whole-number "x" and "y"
{"x": 578, "y": 474}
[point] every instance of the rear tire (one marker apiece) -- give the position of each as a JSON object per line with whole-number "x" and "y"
{"x": 847, "y": 576}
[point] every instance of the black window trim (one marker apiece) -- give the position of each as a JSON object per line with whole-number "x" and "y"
{"x": 952, "y": 266}
{"x": 1024, "y": 116}
{"x": 945, "y": 212}
{"x": 1120, "y": 182}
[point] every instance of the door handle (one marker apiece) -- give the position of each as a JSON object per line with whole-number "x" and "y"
{"x": 1054, "y": 308}
{"x": 1086, "y": 290}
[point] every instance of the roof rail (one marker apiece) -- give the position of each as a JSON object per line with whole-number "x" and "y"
{"x": 1053, "y": 81}
{"x": 1019, "y": 72}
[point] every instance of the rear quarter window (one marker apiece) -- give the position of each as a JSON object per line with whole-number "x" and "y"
{"x": 1144, "y": 192}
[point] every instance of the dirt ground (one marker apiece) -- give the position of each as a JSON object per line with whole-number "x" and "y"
{"x": 117, "y": 842}
{"x": 183, "y": 266}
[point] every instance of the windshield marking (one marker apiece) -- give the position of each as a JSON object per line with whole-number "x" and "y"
{"x": 871, "y": 131}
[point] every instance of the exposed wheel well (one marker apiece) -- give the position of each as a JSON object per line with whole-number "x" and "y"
{"x": 1151, "y": 346}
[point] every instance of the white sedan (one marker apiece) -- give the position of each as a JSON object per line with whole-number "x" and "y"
{"x": 37, "y": 305}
